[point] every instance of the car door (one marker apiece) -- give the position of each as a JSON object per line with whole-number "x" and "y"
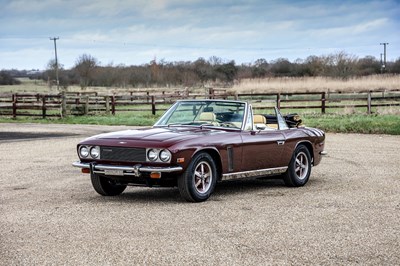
{"x": 262, "y": 149}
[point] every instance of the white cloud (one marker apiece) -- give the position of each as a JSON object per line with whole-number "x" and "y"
{"x": 376, "y": 24}
{"x": 132, "y": 32}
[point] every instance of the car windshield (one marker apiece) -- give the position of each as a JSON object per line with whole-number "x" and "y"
{"x": 204, "y": 113}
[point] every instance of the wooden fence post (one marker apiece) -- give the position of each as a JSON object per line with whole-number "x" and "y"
{"x": 211, "y": 93}
{"x": 153, "y": 105}
{"x": 323, "y": 102}
{"x": 113, "y": 105}
{"x": 107, "y": 100}
{"x": 14, "y": 105}
{"x": 77, "y": 98}
{"x": 369, "y": 103}
{"x": 278, "y": 101}
{"x": 87, "y": 105}
{"x": 63, "y": 104}
{"x": 43, "y": 106}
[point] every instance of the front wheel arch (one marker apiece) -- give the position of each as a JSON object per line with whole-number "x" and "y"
{"x": 216, "y": 157}
{"x": 105, "y": 186}
{"x": 198, "y": 181}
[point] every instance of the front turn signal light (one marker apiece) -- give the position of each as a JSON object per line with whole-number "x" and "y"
{"x": 155, "y": 175}
{"x": 86, "y": 170}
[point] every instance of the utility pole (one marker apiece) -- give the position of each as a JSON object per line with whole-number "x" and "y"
{"x": 55, "y": 52}
{"x": 384, "y": 54}
{"x": 381, "y": 63}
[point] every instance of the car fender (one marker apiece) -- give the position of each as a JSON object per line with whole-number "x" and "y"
{"x": 309, "y": 146}
{"x": 215, "y": 154}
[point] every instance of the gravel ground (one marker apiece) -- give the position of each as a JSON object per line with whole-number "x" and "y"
{"x": 347, "y": 214}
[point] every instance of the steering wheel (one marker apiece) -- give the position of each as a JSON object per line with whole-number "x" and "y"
{"x": 228, "y": 124}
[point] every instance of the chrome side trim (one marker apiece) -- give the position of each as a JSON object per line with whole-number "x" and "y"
{"x": 132, "y": 170}
{"x": 254, "y": 173}
{"x": 323, "y": 153}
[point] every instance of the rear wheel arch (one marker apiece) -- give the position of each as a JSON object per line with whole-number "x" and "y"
{"x": 299, "y": 168}
{"x": 309, "y": 147}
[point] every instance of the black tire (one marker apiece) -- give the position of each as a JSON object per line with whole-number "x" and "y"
{"x": 198, "y": 182}
{"x": 105, "y": 186}
{"x": 299, "y": 169}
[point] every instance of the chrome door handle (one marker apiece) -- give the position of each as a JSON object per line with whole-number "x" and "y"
{"x": 280, "y": 142}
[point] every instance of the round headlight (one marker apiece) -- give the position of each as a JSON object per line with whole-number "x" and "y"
{"x": 152, "y": 155}
{"x": 165, "y": 155}
{"x": 95, "y": 152}
{"x": 83, "y": 151}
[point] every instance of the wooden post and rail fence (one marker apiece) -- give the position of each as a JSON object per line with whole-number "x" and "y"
{"x": 64, "y": 104}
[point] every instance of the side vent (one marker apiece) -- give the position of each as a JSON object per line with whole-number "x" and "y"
{"x": 230, "y": 158}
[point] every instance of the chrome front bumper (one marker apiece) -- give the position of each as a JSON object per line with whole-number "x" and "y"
{"x": 134, "y": 170}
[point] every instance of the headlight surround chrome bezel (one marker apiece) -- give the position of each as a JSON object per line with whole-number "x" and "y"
{"x": 152, "y": 155}
{"x": 84, "y": 154}
{"x": 95, "y": 152}
{"x": 165, "y": 156}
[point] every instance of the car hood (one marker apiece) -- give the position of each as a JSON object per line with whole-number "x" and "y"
{"x": 154, "y": 137}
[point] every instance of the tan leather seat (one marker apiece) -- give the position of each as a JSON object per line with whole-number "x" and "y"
{"x": 260, "y": 122}
{"x": 259, "y": 119}
{"x": 207, "y": 116}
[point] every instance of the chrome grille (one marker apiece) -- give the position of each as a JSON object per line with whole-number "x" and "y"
{"x": 123, "y": 154}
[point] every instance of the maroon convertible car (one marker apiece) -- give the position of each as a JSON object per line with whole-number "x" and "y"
{"x": 197, "y": 143}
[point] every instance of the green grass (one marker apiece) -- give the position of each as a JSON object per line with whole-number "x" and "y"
{"x": 355, "y": 123}
{"x": 352, "y": 123}
{"x": 129, "y": 119}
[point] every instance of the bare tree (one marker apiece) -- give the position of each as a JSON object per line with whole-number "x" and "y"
{"x": 368, "y": 65}
{"x": 86, "y": 66}
{"x": 342, "y": 64}
{"x": 282, "y": 67}
{"x": 50, "y": 74}
{"x": 260, "y": 68}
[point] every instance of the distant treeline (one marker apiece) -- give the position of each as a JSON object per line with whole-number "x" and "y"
{"x": 88, "y": 71}
{"x": 6, "y": 78}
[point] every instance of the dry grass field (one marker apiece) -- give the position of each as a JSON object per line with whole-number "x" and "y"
{"x": 278, "y": 84}
{"x": 318, "y": 84}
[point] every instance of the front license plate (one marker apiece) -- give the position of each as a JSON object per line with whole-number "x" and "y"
{"x": 114, "y": 172}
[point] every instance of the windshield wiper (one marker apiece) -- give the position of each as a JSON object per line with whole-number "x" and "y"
{"x": 179, "y": 124}
{"x": 193, "y": 123}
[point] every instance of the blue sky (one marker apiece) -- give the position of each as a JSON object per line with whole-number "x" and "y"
{"x": 135, "y": 32}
